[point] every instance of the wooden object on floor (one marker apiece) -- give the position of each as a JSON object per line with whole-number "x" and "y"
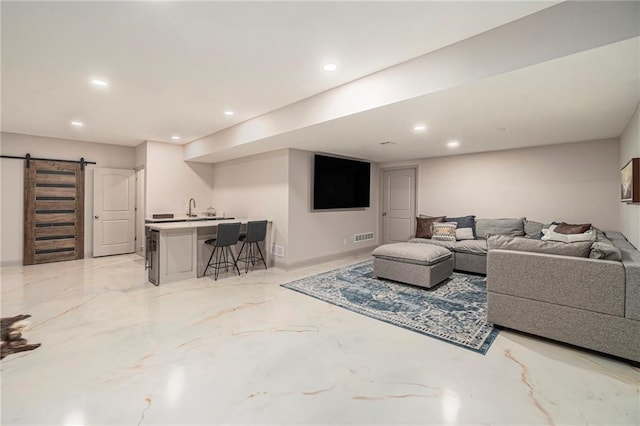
{"x": 53, "y": 211}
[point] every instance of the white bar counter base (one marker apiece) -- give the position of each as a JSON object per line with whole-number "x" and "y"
{"x": 183, "y": 254}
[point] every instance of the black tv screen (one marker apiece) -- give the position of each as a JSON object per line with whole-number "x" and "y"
{"x": 339, "y": 183}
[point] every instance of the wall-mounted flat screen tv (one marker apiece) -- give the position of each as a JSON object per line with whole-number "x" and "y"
{"x": 340, "y": 183}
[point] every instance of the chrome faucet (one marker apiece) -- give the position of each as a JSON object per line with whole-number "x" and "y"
{"x": 189, "y": 211}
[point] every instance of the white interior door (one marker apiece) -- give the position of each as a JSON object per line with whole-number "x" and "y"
{"x": 398, "y": 205}
{"x": 113, "y": 211}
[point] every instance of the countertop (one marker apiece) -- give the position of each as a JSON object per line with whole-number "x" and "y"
{"x": 184, "y": 218}
{"x": 191, "y": 224}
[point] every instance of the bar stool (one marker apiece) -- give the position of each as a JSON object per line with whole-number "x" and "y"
{"x": 256, "y": 232}
{"x": 227, "y": 236}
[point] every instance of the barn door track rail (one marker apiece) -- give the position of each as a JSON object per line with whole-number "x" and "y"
{"x": 28, "y": 157}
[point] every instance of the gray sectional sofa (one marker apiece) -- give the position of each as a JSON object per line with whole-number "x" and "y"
{"x": 588, "y": 296}
{"x": 471, "y": 255}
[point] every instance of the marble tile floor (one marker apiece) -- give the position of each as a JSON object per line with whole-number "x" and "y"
{"x": 117, "y": 350}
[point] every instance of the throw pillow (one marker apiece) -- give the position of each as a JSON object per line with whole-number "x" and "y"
{"x": 464, "y": 234}
{"x": 510, "y": 226}
{"x": 504, "y": 242}
{"x": 464, "y": 222}
{"x": 424, "y": 224}
{"x": 551, "y": 234}
{"x": 568, "y": 228}
{"x": 533, "y": 229}
{"x": 605, "y": 250}
{"x": 444, "y": 231}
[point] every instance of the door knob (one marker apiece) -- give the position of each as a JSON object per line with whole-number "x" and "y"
{"x": 96, "y": 217}
{"x": 384, "y": 214}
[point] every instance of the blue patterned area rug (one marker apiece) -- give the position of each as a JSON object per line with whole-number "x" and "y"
{"x": 454, "y": 311}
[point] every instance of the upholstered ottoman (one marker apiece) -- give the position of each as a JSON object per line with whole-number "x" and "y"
{"x": 424, "y": 265}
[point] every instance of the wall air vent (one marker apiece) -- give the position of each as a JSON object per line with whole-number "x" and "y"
{"x": 277, "y": 250}
{"x": 365, "y": 236}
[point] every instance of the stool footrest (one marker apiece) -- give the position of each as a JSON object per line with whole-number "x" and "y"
{"x": 250, "y": 255}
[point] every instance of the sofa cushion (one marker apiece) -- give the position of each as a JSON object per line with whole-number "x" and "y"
{"x": 449, "y": 245}
{"x": 552, "y": 235}
{"x": 424, "y": 226}
{"x": 471, "y": 247}
{"x": 464, "y": 224}
{"x": 568, "y": 228}
{"x": 507, "y": 226}
{"x": 419, "y": 254}
{"x": 619, "y": 240}
{"x": 444, "y": 231}
{"x": 504, "y": 242}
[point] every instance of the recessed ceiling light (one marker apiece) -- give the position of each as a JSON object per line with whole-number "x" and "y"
{"x": 175, "y": 137}
{"x": 229, "y": 113}
{"x": 420, "y": 128}
{"x": 99, "y": 82}
{"x": 453, "y": 144}
{"x": 77, "y": 123}
{"x": 330, "y": 67}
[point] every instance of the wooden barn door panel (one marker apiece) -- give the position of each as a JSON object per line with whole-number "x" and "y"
{"x": 53, "y": 211}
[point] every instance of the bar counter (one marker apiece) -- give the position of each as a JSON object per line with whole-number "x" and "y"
{"x": 182, "y": 254}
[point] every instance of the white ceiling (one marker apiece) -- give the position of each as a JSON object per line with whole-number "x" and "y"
{"x": 587, "y": 96}
{"x": 174, "y": 67}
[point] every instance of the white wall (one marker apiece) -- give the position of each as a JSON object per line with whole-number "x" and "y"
{"x": 277, "y": 186}
{"x": 256, "y": 188}
{"x": 141, "y": 156}
{"x": 12, "y": 172}
{"x": 630, "y": 148}
{"x": 171, "y": 181}
{"x": 576, "y": 183}
{"x": 317, "y": 235}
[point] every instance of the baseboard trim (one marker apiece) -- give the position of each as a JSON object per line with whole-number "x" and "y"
{"x": 18, "y": 262}
{"x": 8, "y": 263}
{"x": 322, "y": 259}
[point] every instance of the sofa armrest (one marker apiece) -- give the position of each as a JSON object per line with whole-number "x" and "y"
{"x": 582, "y": 283}
{"x": 631, "y": 263}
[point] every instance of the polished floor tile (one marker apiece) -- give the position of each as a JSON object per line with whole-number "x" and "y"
{"x": 117, "y": 350}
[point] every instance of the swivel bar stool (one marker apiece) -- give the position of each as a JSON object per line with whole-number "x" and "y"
{"x": 228, "y": 235}
{"x": 256, "y": 233}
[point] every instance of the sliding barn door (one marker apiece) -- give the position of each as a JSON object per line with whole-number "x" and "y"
{"x": 53, "y": 211}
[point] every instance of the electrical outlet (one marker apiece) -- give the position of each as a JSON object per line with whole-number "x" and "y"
{"x": 344, "y": 241}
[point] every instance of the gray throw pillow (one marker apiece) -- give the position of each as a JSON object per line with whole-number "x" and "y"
{"x": 504, "y": 242}
{"x": 507, "y": 226}
{"x": 605, "y": 250}
{"x": 533, "y": 229}
{"x": 464, "y": 222}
